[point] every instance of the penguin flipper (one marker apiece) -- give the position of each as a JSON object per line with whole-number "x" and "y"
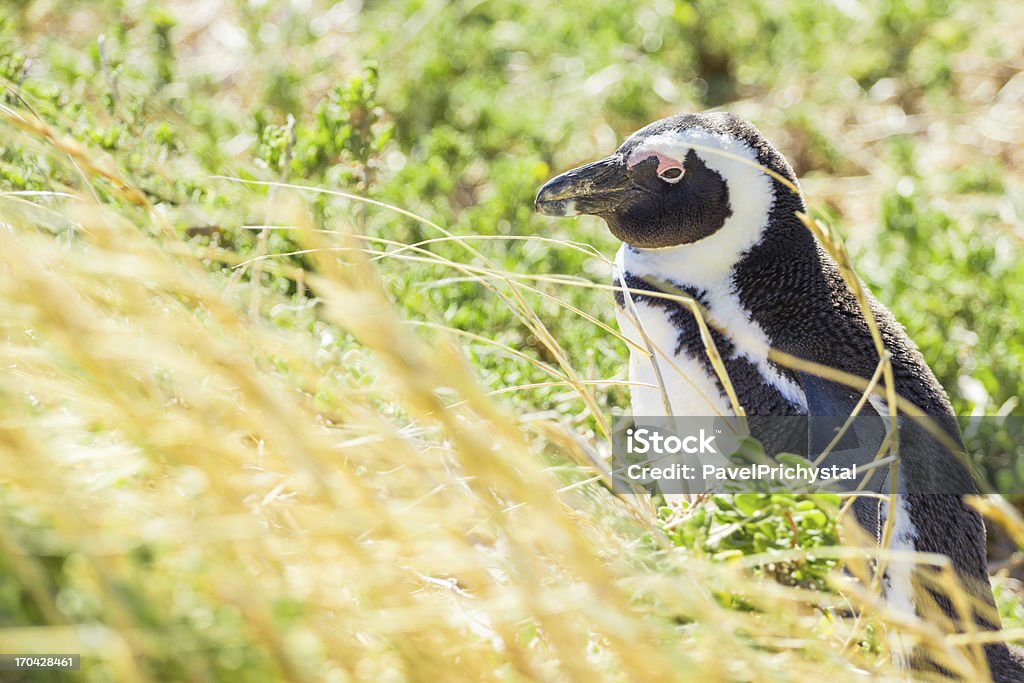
{"x": 829, "y": 407}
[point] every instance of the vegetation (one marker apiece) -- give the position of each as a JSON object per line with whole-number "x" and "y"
{"x": 298, "y": 387}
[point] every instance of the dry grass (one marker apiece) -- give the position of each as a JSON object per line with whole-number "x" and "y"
{"x": 222, "y": 487}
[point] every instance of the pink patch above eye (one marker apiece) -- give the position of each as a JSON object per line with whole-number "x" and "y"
{"x": 664, "y": 162}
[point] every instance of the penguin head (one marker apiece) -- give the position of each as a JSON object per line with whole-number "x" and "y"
{"x": 681, "y": 180}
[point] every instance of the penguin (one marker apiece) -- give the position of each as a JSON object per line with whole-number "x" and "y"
{"x": 706, "y": 207}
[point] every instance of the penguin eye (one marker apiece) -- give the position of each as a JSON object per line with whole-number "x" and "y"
{"x": 672, "y": 174}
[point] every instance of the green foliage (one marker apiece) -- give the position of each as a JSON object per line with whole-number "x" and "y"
{"x": 728, "y": 527}
{"x": 341, "y": 142}
{"x": 1007, "y": 594}
{"x": 958, "y": 286}
{"x": 457, "y": 112}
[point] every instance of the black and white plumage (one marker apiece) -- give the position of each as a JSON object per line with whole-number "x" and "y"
{"x": 696, "y": 213}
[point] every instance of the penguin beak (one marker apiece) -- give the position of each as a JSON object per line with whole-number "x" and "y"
{"x": 594, "y": 189}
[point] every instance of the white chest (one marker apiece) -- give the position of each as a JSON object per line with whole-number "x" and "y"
{"x": 666, "y": 382}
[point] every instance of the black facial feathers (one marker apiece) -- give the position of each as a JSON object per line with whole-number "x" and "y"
{"x": 664, "y": 214}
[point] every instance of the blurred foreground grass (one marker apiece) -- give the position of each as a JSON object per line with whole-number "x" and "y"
{"x": 246, "y": 431}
